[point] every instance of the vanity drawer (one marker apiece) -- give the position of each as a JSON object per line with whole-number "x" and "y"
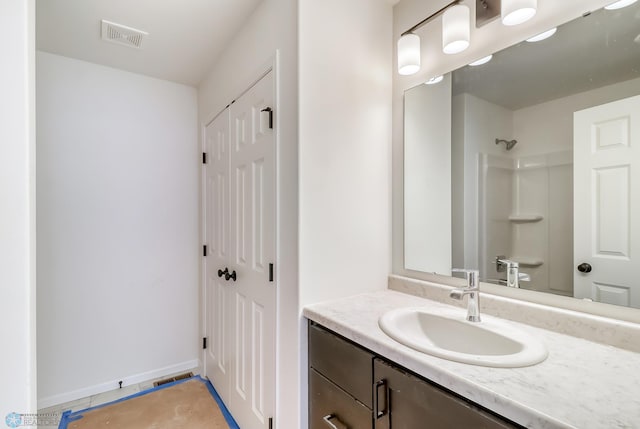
{"x": 345, "y": 364}
{"x": 328, "y": 402}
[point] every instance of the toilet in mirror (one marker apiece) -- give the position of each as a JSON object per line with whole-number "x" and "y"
{"x": 542, "y": 145}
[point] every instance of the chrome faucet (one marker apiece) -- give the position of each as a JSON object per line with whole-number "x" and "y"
{"x": 512, "y": 269}
{"x": 473, "y": 290}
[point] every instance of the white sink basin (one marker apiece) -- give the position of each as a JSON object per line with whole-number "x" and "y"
{"x": 446, "y": 334}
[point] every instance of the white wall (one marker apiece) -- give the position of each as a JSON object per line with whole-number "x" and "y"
{"x": 17, "y": 208}
{"x": 345, "y": 137}
{"x": 557, "y": 117}
{"x": 477, "y": 123}
{"x": 485, "y": 40}
{"x": 118, "y": 243}
{"x": 483, "y": 123}
{"x": 272, "y": 27}
{"x": 495, "y": 206}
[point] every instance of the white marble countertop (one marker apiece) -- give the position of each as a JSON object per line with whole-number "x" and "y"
{"x": 581, "y": 384}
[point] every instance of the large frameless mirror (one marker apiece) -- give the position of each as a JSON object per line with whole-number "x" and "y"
{"x": 542, "y": 144}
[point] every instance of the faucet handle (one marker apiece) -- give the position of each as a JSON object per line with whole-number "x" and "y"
{"x": 472, "y": 276}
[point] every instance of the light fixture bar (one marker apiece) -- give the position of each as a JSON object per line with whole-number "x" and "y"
{"x": 430, "y": 17}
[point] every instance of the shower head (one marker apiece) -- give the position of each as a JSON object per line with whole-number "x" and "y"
{"x": 508, "y": 143}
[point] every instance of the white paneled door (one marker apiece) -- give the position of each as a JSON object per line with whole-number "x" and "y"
{"x": 607, "y": 202}
{"x": 240, "y": 224}
{"x": 217, "y": 289}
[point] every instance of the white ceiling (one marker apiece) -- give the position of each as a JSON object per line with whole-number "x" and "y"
{"x": 185, "y": 36}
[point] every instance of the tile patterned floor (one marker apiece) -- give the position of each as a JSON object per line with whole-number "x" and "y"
{"x": 102, "y": 398}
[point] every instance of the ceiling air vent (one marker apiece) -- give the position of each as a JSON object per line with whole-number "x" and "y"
{"x": 122, "y": 35}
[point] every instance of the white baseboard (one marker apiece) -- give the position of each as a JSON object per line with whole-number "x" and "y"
{"x": 61, "y": 398}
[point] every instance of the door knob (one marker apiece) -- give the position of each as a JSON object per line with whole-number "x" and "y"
{"x": 584, "y": 268}
{"x": 231, "y": 276}
{"x": 223, "y": 273}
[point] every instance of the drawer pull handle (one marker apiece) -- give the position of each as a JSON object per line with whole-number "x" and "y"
{"x": 381, "y": 411}
{"x": 335, "y": 424}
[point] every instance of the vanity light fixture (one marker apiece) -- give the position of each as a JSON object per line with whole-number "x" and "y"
{"x": 456, "y": 29}
{"x": 543, "y": 36}
{"x": 620, "y": 4}
{"x": 456, "y": 23}
{"x": 408, "y": 54}
{"x": 409, "y": 43}
{"x": 434, "y": 80}
{"x": 481, "y": 61}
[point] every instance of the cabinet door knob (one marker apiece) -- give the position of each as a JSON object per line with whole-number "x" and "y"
{"x": 223, "y": 273}
{"x": 333, "y": 422}
{"x": 584, "y": 268}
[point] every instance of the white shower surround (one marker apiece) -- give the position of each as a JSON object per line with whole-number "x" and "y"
{"x": 526, "y": 211}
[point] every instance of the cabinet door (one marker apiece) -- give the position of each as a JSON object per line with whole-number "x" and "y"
{"x": 332, "y": 408}
{"x": 404, "y": 401}
{"x": 345, "y": 364}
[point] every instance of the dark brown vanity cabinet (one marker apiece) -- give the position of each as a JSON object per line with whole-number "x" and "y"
{"x": 352, "y": 388}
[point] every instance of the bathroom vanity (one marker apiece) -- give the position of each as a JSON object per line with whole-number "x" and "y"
{"x": 359, "y": 377}
{"x": 351, "y": 387}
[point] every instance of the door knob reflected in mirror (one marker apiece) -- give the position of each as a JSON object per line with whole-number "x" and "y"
{"x": 584, "y": 268}
{"x": 232, "y": 276}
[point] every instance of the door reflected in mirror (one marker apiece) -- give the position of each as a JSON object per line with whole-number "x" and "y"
{"x": 544, "y": 154}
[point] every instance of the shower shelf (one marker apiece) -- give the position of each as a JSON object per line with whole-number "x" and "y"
{"x": 522, "y": 218}
{"x": 527, "y": 261}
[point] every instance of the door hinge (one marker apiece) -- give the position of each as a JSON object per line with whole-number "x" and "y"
{"x": 270, "y": 422}
{"x": 204, "y": 343}
{"x": 268, "y": 109}
{"x": 204, "y": 250}
{"x": 270, "y": 272}
{"x": 204, "y": 157}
